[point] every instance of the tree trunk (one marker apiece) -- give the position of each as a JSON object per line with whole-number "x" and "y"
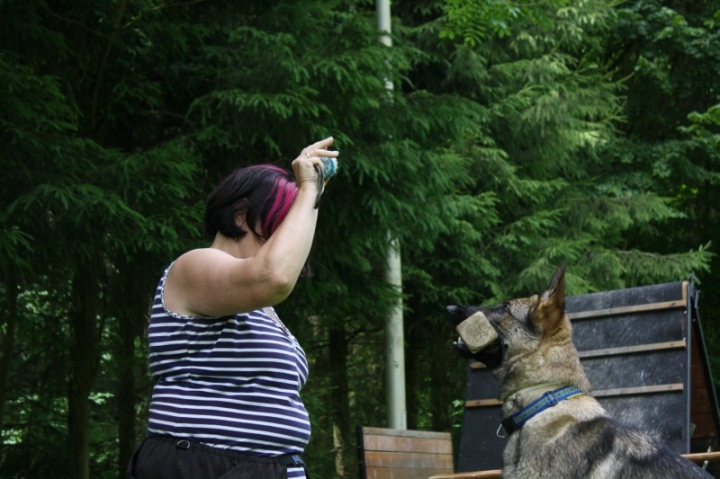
{"x": 340, "y": 404}
{"x": 134, "y": 282}
{"x": 412, "y": 374}
{"x": 79, "y": 427}
{"x": 84, "y": 365}
{"x": 7, "y": 346}
{"x": 126, "y": 395}
{"x": 440, "y": 368}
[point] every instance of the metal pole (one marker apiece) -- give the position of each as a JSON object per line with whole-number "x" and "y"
{"x": 382, "y": 7}
{"x": 395, "y": 346}
{"x": 394, "y": 335}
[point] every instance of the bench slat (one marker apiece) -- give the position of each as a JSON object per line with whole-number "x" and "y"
{"x": 387, "y": 473}
{"x": 407, "y": 444}
{"x": 407, "y": 460}
{"x": 404, "y": 454}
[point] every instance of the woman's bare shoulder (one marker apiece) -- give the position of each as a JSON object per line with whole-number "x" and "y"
{"x": 201, "y": 257}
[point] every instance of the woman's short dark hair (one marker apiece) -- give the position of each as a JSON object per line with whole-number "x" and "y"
{"x": 263, "y": 193}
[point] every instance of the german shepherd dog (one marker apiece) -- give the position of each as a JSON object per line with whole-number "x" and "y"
{"x": 557, "y": 430}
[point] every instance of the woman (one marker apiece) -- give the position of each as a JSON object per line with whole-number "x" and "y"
{"x": 228, "y": 373}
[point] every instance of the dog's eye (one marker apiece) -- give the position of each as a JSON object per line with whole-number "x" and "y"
{"x": 504, "y": 306}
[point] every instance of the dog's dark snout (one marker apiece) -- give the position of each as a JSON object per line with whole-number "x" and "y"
{"x": 454, "y": 314}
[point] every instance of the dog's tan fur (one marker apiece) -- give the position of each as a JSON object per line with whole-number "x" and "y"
{"x": 576, "y": 438}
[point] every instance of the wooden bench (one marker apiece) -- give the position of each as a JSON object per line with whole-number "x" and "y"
{"x": 497, "y": 473}
{"x": 402, "y": 454}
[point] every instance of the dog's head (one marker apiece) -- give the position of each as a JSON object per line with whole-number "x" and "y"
{"x": 534, "y": 342}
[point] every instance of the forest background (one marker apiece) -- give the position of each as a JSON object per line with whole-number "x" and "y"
{"x": 518, "y": 136}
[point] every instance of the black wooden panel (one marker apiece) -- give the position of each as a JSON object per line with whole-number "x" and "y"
{"x": 480, "y": 447}
{"x": 661, "y": 414}
{"x": 481, "y": 384}
{"x": 628, "y": 330}
{"x": 635, "y": 370}
{"x": 657, "y": 293}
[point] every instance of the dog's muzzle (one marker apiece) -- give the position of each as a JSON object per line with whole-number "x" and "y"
{"x": 455, "y": 315}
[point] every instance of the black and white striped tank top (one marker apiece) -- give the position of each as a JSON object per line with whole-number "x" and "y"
{"x": 231, "y": 382}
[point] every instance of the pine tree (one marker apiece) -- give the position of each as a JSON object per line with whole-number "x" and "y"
{"x": 539, "y": 187}
{"x": 502, "y": 154}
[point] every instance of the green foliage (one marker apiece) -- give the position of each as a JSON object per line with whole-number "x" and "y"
{"x": 550, "y": 153}
{"x": 673, "y": 123}
{"x": 37, "y": 409}
{"x": 475, "y": 20}
{"x": 518, "y": 136}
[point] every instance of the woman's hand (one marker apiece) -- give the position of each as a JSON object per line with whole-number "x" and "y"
{"x": 304, "y": 165}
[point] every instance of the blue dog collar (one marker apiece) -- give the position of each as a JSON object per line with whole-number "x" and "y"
{"x": 547, "y": 400}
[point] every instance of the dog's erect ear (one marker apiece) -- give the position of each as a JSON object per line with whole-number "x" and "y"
{"x": 551, "y": 305}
